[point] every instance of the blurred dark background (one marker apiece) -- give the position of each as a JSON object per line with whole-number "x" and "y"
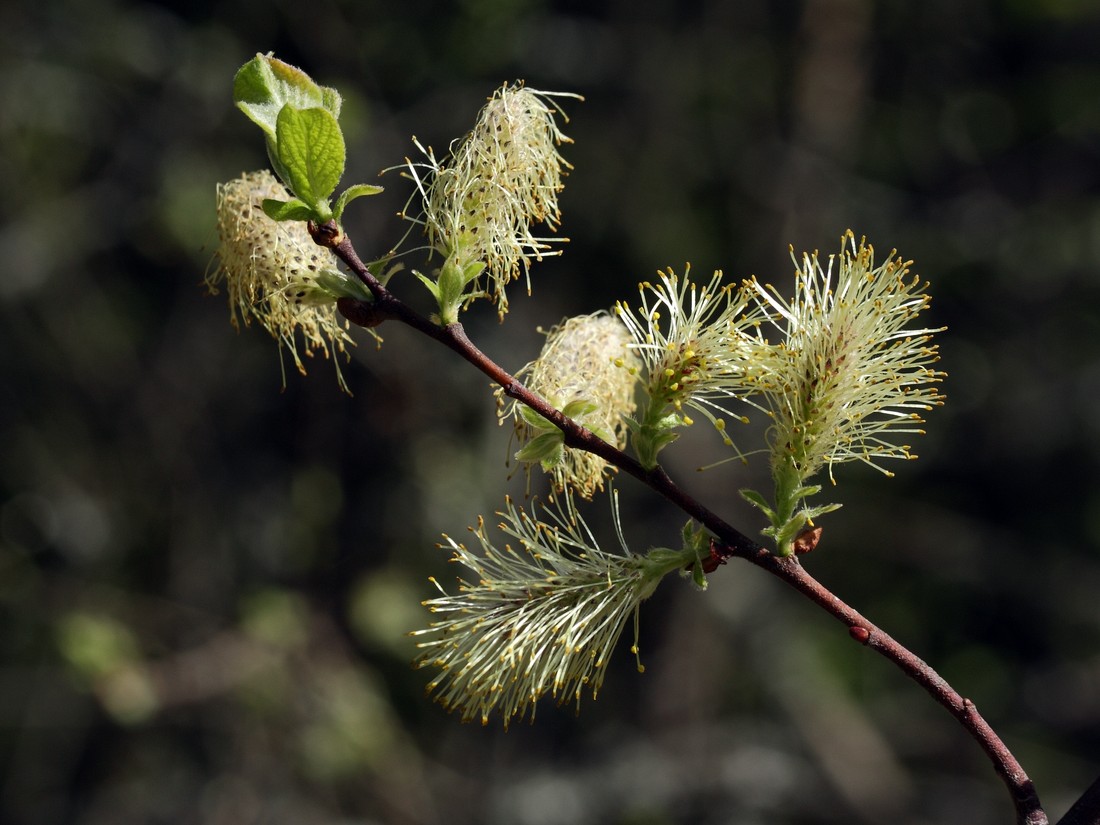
{"x": 206, "y": 580}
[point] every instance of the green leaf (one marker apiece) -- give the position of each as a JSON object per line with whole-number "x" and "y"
{"x": 351, "y": 193}
{"x": 753, "y": 497}
{"x": 429, "y": 283}
{"x": 291, "y": 210}
{"x": 264, "y": 85}
{"x": 535, "y": 420}
{"x": 575, "y": 409}
{"x": 471, "y": 271}
{"x": 696, "y": 542}
{"x": 450, "y": 287}
{"x": 273, "y": 157}
{"x": 650, "y": 438}
{"x": 810, "y": 513}
{"x": 384, "y": 268}
{"x": 331, "y": 101}
{"x": 805, "y": 491}
{"x": 342, "y": 285}
{"x": 603, "y": 435}
{"x": 311, "y": 148}
{"x": 547, "y": 449}
{"x": 696, "y": 539}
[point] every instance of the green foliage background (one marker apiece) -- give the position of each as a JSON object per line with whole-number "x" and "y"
{"x": 205, "y": 582}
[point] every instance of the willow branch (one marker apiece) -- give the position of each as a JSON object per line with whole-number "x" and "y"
{"x": 729, "y": 542}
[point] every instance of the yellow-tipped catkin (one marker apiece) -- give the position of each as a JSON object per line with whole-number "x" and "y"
{"x": 702, "y": 350}
{"x": 271, "y": 271}
{"x": 855, "y": 372}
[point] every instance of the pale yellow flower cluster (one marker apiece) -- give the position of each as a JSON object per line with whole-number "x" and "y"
{"x": 501, "y": 179}
{"x": 543, "y": 618}
{"x": 586, "y": 368}
{"x": 273, "y": 272}
{"x": 851, "y": 373}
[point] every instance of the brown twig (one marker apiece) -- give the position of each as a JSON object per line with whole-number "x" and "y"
{"x": 728, "y": 543}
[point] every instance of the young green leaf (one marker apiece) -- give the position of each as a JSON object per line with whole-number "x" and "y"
{"x": 533, "y": 419}
{"x": 359, "y": 190}
{"x": 342, "y": 285}
{"x": 755, "y": 498}
{"x": 698, "y": 575}
{"x": 578, "y": 408}
{"x": 451, "y": 286}
{"x": 264, "y": 85}
{"x": 291, "y": 210}
{"x": 547, "y": 449}
{"x": 311, "y": 149}
{"x": 429, "y": 283}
